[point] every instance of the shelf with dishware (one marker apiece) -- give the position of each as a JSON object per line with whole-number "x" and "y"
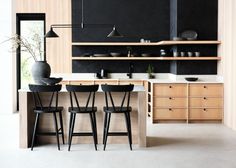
{"x": 160, "y": 43}
{"x": 149, "y": 58}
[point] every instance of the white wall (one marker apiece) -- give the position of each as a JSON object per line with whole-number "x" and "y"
{"x": 6, "y": 59}
{"x": 227, "y": 50}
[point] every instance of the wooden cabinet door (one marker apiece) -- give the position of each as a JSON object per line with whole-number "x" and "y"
{"x": 169, "y": 114}
{"x": 170, "y": 90}
{"x": 206, "y": 102}
{"x": 205, "y": 114}
{"x": 207, "y": 90}
{"x": 170, "y": 102}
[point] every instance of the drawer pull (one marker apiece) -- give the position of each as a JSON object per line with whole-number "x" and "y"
{"x": 204, "y": 98}
{"x": 170, "y": 109}
{"x": 204, "y": 109}
{"x": 170, "y": 87}
{"x": 204, "y": 86}
{"x": 170, "y": 98}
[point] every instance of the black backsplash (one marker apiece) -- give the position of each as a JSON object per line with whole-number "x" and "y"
{"x": 150, "y": 19}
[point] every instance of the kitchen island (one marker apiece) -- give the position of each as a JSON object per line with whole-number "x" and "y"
{"x": 138, "y": 119}
{"x": 168, "y": 98}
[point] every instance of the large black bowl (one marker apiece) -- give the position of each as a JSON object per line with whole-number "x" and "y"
{"x": 51, "y": 81}
{"x": 191, "y": 79}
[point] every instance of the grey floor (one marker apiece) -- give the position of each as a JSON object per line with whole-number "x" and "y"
{"x": 170, "y": 146}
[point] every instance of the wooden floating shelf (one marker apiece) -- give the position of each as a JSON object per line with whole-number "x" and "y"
{"x": 145, "y": 44}
{"x": 148, "y": 58}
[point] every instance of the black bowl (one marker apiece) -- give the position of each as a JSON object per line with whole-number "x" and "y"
{"x": 191, "y": 79}
{"x": 51, "y": 81}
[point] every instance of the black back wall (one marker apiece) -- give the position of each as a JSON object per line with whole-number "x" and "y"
{"x": 155, "y": 20}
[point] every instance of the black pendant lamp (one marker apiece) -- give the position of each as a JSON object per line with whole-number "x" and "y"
{"x": 114, "y": 33}
{"x": 51, "y": 34}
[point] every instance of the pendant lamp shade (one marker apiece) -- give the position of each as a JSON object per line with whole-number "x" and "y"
{"x": 51, "y": 34}
{"x": 114, "y": 33}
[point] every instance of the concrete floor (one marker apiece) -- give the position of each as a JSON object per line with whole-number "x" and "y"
{"x": 170, "y": 146}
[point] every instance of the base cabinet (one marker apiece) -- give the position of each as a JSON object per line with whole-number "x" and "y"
{"x": 189, "y": 102}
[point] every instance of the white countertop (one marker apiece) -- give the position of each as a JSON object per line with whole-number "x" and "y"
{"x": 159, "y": 78}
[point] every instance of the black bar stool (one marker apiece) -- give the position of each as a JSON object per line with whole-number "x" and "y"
{"x": 40, "y": 109}
{"x": 123, "y": 108}
{"x": 86, "y": 109}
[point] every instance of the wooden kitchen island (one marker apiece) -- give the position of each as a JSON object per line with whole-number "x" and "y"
{"x": 138, "y": 119}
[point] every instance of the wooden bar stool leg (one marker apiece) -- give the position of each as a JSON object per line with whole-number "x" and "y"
{"x": 56, "y": 129}
{"x": 70, "y": 124}
{"x": 62, "y": 129}
{"x": 107, "y": 130}
{"x": 72, "y": 130}
{"x": 127, "y": 119}
{"x": 95, "y": 125}
{"x": 104, "y": 128}
{"x": 93, "y": 130}
{"x": 35, "y": 130}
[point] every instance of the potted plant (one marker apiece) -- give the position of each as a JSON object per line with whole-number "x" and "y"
{"x": 150, "y": 71}
{"x": 40, "y": 68}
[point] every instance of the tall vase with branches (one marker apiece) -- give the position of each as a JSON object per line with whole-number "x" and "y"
{"x": 40, "y": 68}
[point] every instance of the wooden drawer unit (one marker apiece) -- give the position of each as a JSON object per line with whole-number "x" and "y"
{"x": 205, "y": 114}
{"x": 109, "y": 82}
{"x": 206, "y": 102}
{"x": 169, "y": 114}
{"x": 133, "y": 82}
{"x": 170, "y": 102}
{"x": 209, "y": 90}
{"x": 82, "y": 82}
{"x": 170, "y": 90}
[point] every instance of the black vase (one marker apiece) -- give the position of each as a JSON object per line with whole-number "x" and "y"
{"x": 40, "y": 69}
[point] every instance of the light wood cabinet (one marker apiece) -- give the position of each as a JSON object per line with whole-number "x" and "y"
{"x": 209, "y": 90}
{"x": 169, "y": 102}
{"x": 205, "y": 114}
{"x": 82, "y": 82}
{"x": 170, "y": 90}
{"x": 188, "y": 102}
{"x": 169, "y": 114}
{"x": 104, "y": 81}
{"x": 133, "y": 82}
{"x": 205, "y": 102}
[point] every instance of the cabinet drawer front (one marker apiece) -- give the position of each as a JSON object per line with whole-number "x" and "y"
{"x": 210, "y": 114}
{"x": 169, "y": 114}
{"x": 170, "y": 90}
{"x": 106, "y": 82}
{"x": 131, "y": 82}
{"x": 82, "y": 82}
{"x": 170, "y": 102}
{"x": 214, "y": 90}
{"x": 206, "y": 102}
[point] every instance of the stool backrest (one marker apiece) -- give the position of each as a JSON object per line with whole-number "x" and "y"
{"x": 125, "y": 89}
{"x": 37, "y": 89}
{"x": 74, "y": 97}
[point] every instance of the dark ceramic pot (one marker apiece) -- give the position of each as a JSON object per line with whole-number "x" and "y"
{"x": 40, "y": 69}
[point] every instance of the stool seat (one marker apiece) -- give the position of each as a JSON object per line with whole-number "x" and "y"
{"x": 117, "y": 109}
{"x": 82, "y": 109}
{"x": 48, "y": 109}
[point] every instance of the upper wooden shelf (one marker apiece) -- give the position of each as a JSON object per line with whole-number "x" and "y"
{"x": 147, "y": 58}
{"x": 144, "y": 44}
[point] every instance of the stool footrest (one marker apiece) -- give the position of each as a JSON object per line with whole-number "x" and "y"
{"x": 117, "y": 133}
{"x": 82, "y": 134}
{"x": 47, "y": 133}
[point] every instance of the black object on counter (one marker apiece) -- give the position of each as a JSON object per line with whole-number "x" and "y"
{"x": 191, "y": 79}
